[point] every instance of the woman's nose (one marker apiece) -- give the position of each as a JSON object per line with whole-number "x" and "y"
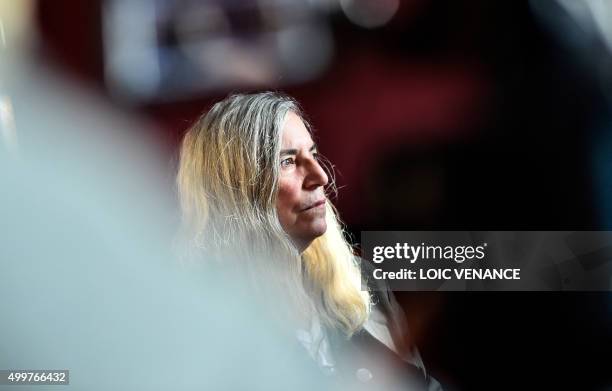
{"x": 315, "y": 174}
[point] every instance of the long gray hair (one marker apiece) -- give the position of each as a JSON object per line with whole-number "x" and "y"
{"x": 228, "y": 184}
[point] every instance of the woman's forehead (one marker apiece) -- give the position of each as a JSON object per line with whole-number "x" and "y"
{"x": 294, "y": 133}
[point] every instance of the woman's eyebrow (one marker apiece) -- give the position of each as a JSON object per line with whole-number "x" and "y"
{"x": 284, "y": 152}
{"x": 293, "y": 151}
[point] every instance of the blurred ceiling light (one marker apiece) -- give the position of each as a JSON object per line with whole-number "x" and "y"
{"x": 164, "y": 50}
{"x": 16, "y": 22}
{"x": 130, "y": 44}
{"x": 370, "y": 13}
{"x": 15, "y": 35}
{"x": 594, "y": 16}
{"x": 585, "y": 28}
{"x": 2, "y": 38}
{"x": 7, "y": 125}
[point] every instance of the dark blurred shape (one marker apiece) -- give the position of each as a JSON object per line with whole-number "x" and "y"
{"x": 408, "y": 185}
{"x": 584, "y": 29}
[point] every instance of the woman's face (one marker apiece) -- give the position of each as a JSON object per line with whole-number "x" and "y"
{"x": 301, "y": 200}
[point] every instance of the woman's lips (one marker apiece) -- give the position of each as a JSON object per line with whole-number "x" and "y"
{"x": 317, "y": 204}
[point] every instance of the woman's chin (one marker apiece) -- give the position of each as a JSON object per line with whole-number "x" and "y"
{"x": 318, "y": 229}
{"x": 310, "y": 233}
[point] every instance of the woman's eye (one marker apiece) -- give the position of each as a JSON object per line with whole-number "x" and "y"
{"x": 287, "y": 162}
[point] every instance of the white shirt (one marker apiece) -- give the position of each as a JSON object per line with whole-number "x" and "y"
{"x": 317, "y": 343}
